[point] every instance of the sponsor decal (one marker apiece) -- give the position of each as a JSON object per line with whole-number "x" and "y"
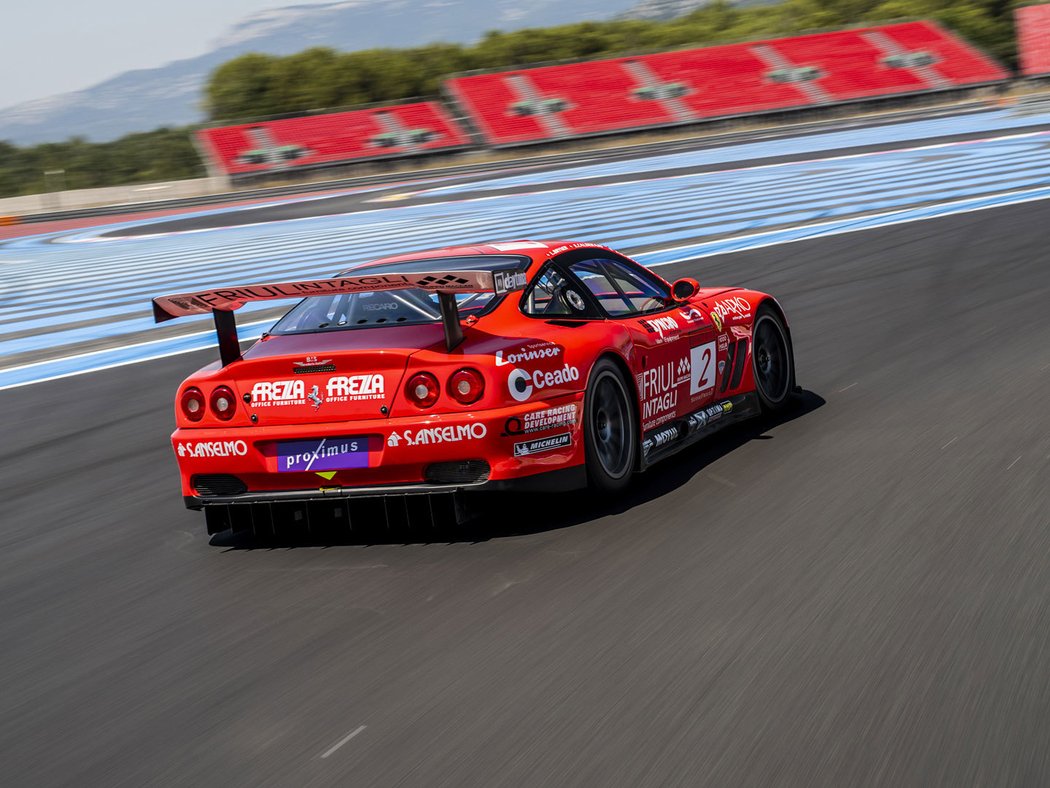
{"x": 691, "y": 314}
{"x": 198, "y": 449}
{"x": 658, "y": 389}
{"x": 189, "y": 303}
{"x": 523, "y": 382}
{"x": 442, "y": 282}
{"x": 506, "y": 281}
{"x": 721, "y": 367}
{"x": 385, "y": 306}
{"x": 449, "y": 433}
{"x": 311, "y": 361}
{"x": 540, "y": 445}
{"x": 350, "y": 388}
{"x": 542, "y": 420}
{"x": 231, "y": 297}
{"x": 661, "y": 326}
{"x": 510, "y": 247}
{"x": 537, "y": 351}
{"x": 658, "y": 439}
{"x": 323, "y": 454}
{"x": 709, "y": 415}
{"x": 702, "y": 369}
{"x": 567, "y": 247}
{"x": 268, "y": 393}
{"x": 723, "y": 343}
{"x": 312, "y": 364}
{"x": 735, "y": 307}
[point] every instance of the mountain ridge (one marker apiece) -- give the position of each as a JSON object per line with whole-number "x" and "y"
{"x": 171, "y": 94}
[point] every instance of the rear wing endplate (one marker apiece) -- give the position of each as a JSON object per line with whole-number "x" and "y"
{"x": 221, "y": 302}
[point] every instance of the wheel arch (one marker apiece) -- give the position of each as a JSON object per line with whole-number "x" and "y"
{"x": 622, "y": 364}
{"x": 779, "y": 310}
{"x": 773, "y": 304}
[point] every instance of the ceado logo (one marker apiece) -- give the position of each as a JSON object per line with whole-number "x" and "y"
{"x": 522, "y": 382}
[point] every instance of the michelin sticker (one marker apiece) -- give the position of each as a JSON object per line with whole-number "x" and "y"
{"x": 540, "y": 445}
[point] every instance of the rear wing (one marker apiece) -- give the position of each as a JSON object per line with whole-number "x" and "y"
{"x": 221, "y": 302}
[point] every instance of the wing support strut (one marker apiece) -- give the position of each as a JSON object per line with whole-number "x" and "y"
{"x": 450, "y": 321}
{"x": 226, "y": 331}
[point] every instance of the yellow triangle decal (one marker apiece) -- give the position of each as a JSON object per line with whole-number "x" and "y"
{"x": 325, "y": 474}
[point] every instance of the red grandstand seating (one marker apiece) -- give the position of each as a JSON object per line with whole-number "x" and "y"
{"x": 578, "y": 99}
{"x": 1033, "y": 31}
{"x": 725, "y": 80}
{"x": 325, "y": 139}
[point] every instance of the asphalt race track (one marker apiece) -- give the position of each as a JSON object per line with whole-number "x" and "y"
{"x": 855, "y": 595}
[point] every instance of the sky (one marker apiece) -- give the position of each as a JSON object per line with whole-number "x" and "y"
{"x": 49, "y": 47}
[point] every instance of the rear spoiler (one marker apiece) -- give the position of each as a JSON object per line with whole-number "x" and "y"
{"x": 221, "y": 302}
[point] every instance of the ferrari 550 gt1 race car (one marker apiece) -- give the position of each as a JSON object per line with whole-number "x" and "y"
{"x": 392, "y": 387}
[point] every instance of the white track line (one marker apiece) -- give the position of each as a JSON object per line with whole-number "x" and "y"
{"x": 343, "y": 740}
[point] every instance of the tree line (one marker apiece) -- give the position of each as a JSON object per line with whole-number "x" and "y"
{"x": 257, "y": 85}
{"x": 161, "y": 155}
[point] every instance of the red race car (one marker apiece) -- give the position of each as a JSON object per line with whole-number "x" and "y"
{"x": 522, "y": 365}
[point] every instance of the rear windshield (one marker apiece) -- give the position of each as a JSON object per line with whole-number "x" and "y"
{"x": 395, "y": 307}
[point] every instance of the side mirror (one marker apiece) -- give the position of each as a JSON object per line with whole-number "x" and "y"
{"x": 684, "y": 289}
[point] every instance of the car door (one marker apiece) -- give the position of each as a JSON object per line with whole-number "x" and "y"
{"x": 676, "y": 358}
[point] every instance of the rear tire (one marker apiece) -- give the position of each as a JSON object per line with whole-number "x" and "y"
{"x": 609, "y": 429}
{"x": 772, "y": 360}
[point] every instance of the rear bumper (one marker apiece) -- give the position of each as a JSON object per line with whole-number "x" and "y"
{"x": 428, "y": 455}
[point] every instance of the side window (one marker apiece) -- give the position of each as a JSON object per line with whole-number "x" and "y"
{"x": 621, "y": 290}
{"x": 553, "y": 295}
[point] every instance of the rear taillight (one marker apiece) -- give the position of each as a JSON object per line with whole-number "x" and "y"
{"x": 466, "y": 386}
{"x": 223, "y": 403}
{"x": 422, "y": 390}
{"x": 192, "y": 404}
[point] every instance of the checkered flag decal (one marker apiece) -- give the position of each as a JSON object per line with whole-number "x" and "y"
{"x": 445, "y": 281}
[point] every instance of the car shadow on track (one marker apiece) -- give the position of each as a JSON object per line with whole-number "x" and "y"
{"x": 501, "y": 515}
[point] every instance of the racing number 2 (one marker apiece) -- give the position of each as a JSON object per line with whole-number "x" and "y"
{"x": 701, "y": 368}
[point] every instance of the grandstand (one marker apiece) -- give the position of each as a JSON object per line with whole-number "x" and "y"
{"x": 604, "y": 96}
{"x": 570, "y": 100}
{"x": 316, "y": 140}
{"x": 1033, "y": 33}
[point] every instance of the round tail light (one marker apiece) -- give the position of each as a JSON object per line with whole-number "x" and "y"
{"x": 223, "y": 403}
{"x": 192, "y": 404}
{"x": 466, "y": 386}
{"x": 422, "y": 390}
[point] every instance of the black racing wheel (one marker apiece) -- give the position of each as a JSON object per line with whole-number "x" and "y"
{"x": 772, "y": 360}
{"x": 610, "y": 434}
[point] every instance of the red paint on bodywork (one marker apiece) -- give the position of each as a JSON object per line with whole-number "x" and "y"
{"x": 677, "y": 361}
